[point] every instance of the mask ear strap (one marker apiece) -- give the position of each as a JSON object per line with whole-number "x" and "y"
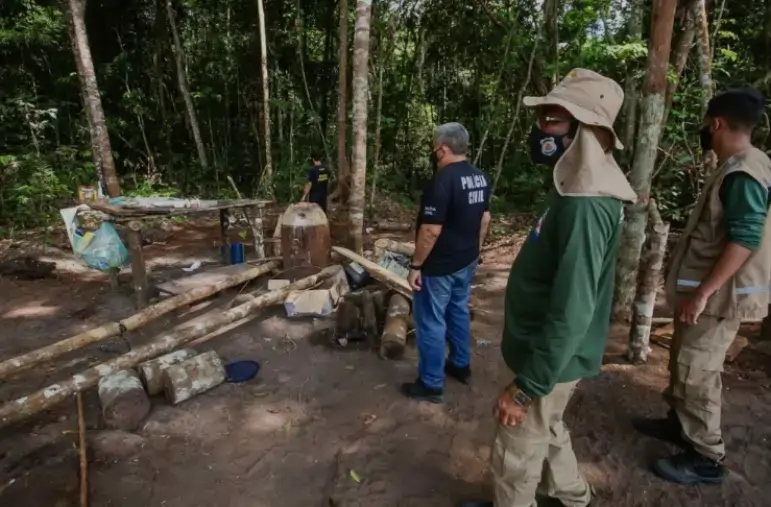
{"x": 573, "y": 128}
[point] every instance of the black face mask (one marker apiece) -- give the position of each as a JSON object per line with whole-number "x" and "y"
{"x": 546, "y": 148}
{"x": 705, "y": 139}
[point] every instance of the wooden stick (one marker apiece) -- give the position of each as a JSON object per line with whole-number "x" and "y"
{"x": 379, "y": 273}
{"x": 138, "y": 269}
{"x": 667, "y": 320}
{"x": 393, "y": 226}
{"x": 131, "y": 323}
{"x": 26, "y": 406}
{"x": 82, "y": 448}
{"x": 384, "y": 244}
{"x": 255, "y": 225}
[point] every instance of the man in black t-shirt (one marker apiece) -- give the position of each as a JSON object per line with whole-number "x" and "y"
{"x": 452, "y": 224}
{"x": 318, "y": 182}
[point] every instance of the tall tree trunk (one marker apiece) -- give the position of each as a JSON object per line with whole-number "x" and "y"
{"x": 101, "y": 151}
{"x": 343, "y": 174}
{"x": 631, "y": 84}
{"x": 681, "y": 49}
{"x": 651, "y": 113}
{"x": 360, "y": 96}
{"x": 184, "y": 89}
{"x": 550, "y": 16}
{"x": 386, "y": 48}
{"x": 266, "y": 181}
{"x": 705, "y": 76}
{"x": 705, "y": 61}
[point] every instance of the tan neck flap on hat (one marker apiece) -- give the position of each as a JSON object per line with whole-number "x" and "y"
{"x": 586, "y": 170}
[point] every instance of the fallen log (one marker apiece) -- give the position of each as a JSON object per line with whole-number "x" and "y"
{"x": 124, "y": 401}
{"x": 192, "y": 377}
{"x": 377, "y": 272}
{"x": 151, "y": 371}
{"x": 393, "y": 226}
{"x": 21, "y": 408}
{"x": 16, "y": 364}
{"x": 394, "y": 338}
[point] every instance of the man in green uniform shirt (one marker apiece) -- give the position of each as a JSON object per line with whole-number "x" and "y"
{"x": 719, "y": 275}
{"x": 559, "y": 293}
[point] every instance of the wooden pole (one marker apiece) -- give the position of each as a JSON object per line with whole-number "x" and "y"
{"x": 16, "y": 364}
{"x": 138, "y": 272}
{"x": 26, "y": 406}
{"x": 82, "y": 453}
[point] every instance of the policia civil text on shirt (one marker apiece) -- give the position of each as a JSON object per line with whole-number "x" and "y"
{"x": 559, "y": 293}
{"x": 719, "y": 274}
{"x": 317, "y": 184}
{"x": 452, "y": 223}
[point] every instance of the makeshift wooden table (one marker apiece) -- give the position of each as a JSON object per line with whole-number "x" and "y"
{"x": 133, "y": 217}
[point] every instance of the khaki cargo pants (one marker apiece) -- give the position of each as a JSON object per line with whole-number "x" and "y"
{"x": 536, "y": 457}
{"x": 695, "y": 386}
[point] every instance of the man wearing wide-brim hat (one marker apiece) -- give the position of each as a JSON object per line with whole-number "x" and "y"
{"x": 559, "y": 293}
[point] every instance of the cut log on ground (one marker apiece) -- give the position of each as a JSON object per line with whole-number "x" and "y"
{"x": 393, "y": 226}
{"x": 305, "y": 236}
{"x": 379, "y": 273}
{"x": 192, "y": 377}
{"x": 347, "y": 322}
{"x": 21, "y": 408}
{"x": 649, "y": 279}
{"x": 151, "y": 372}
{"x": 137, "y": 320}
{"x": 124, "y": 401}
{"x": 369, "y": 319}
{"x": 394, "y": 338}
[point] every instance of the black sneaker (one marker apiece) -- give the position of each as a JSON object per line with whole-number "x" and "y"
{"x": 688, "y": 468}
{"x": 419, "y": 391}
{"x": 475, "y": 503}
{"x": 461, "y": 374}
{"x": 667, "y": 429}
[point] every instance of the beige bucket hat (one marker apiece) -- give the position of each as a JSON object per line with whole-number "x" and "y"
{"x": 591, "y": 98}
{"x": 586, "y": 169}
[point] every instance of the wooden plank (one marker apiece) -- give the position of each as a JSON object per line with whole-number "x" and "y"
{"x": 123, "y": 213}
{"x": 204, "y": 278}
{"x": 379, "y": 273}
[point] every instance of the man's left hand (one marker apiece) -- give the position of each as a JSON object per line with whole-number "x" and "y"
{"x": 415, "y": 280}
{"x": 507, "y": 412}
{"x": 692, "y": 308}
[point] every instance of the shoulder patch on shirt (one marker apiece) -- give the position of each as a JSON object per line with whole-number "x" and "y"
{"x": 536, "y": 230}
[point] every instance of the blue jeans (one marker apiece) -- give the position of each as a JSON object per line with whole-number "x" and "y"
{"x": 442, "y": 316}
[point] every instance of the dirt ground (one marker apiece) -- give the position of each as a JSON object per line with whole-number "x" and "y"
{"x": 326, "y": 426}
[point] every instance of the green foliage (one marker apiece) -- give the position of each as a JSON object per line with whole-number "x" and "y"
{"x": 446, "y": 60}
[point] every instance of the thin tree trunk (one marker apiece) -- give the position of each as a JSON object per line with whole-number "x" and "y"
{"x": 550, "y": 16}
{"x": 514, "y": 119}
{"x": 101, "y": 150}
{"x": 631, "y": 84}
{"x": 184, "y": 89}
{"x": 651, "y": 113}
{"x": 651, "y": 267}
{"x": 266, "y": 181}
{"x": 343, "y": 174}
{"x": 491, "y": 121}
{"x": 360, "y": 96}
{"x": 300, "y": 56}
{"x": 705, "y": 76}
{"x": 383, "y": 58}
{"x": 681, "y": 50}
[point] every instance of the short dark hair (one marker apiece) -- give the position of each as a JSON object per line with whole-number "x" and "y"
{"x": 741, "y": 108}
{"x": 316, "y": 156}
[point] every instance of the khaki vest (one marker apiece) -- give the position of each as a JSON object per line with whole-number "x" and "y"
{"x": 746, "y": 294}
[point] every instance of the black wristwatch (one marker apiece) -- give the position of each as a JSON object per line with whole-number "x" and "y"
{"x": 413, "y": 267}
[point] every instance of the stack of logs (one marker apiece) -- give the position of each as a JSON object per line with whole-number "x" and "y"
{"x": 362, "y": 314}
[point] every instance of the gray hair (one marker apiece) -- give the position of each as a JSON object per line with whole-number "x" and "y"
{"x": 454, "y": 136}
